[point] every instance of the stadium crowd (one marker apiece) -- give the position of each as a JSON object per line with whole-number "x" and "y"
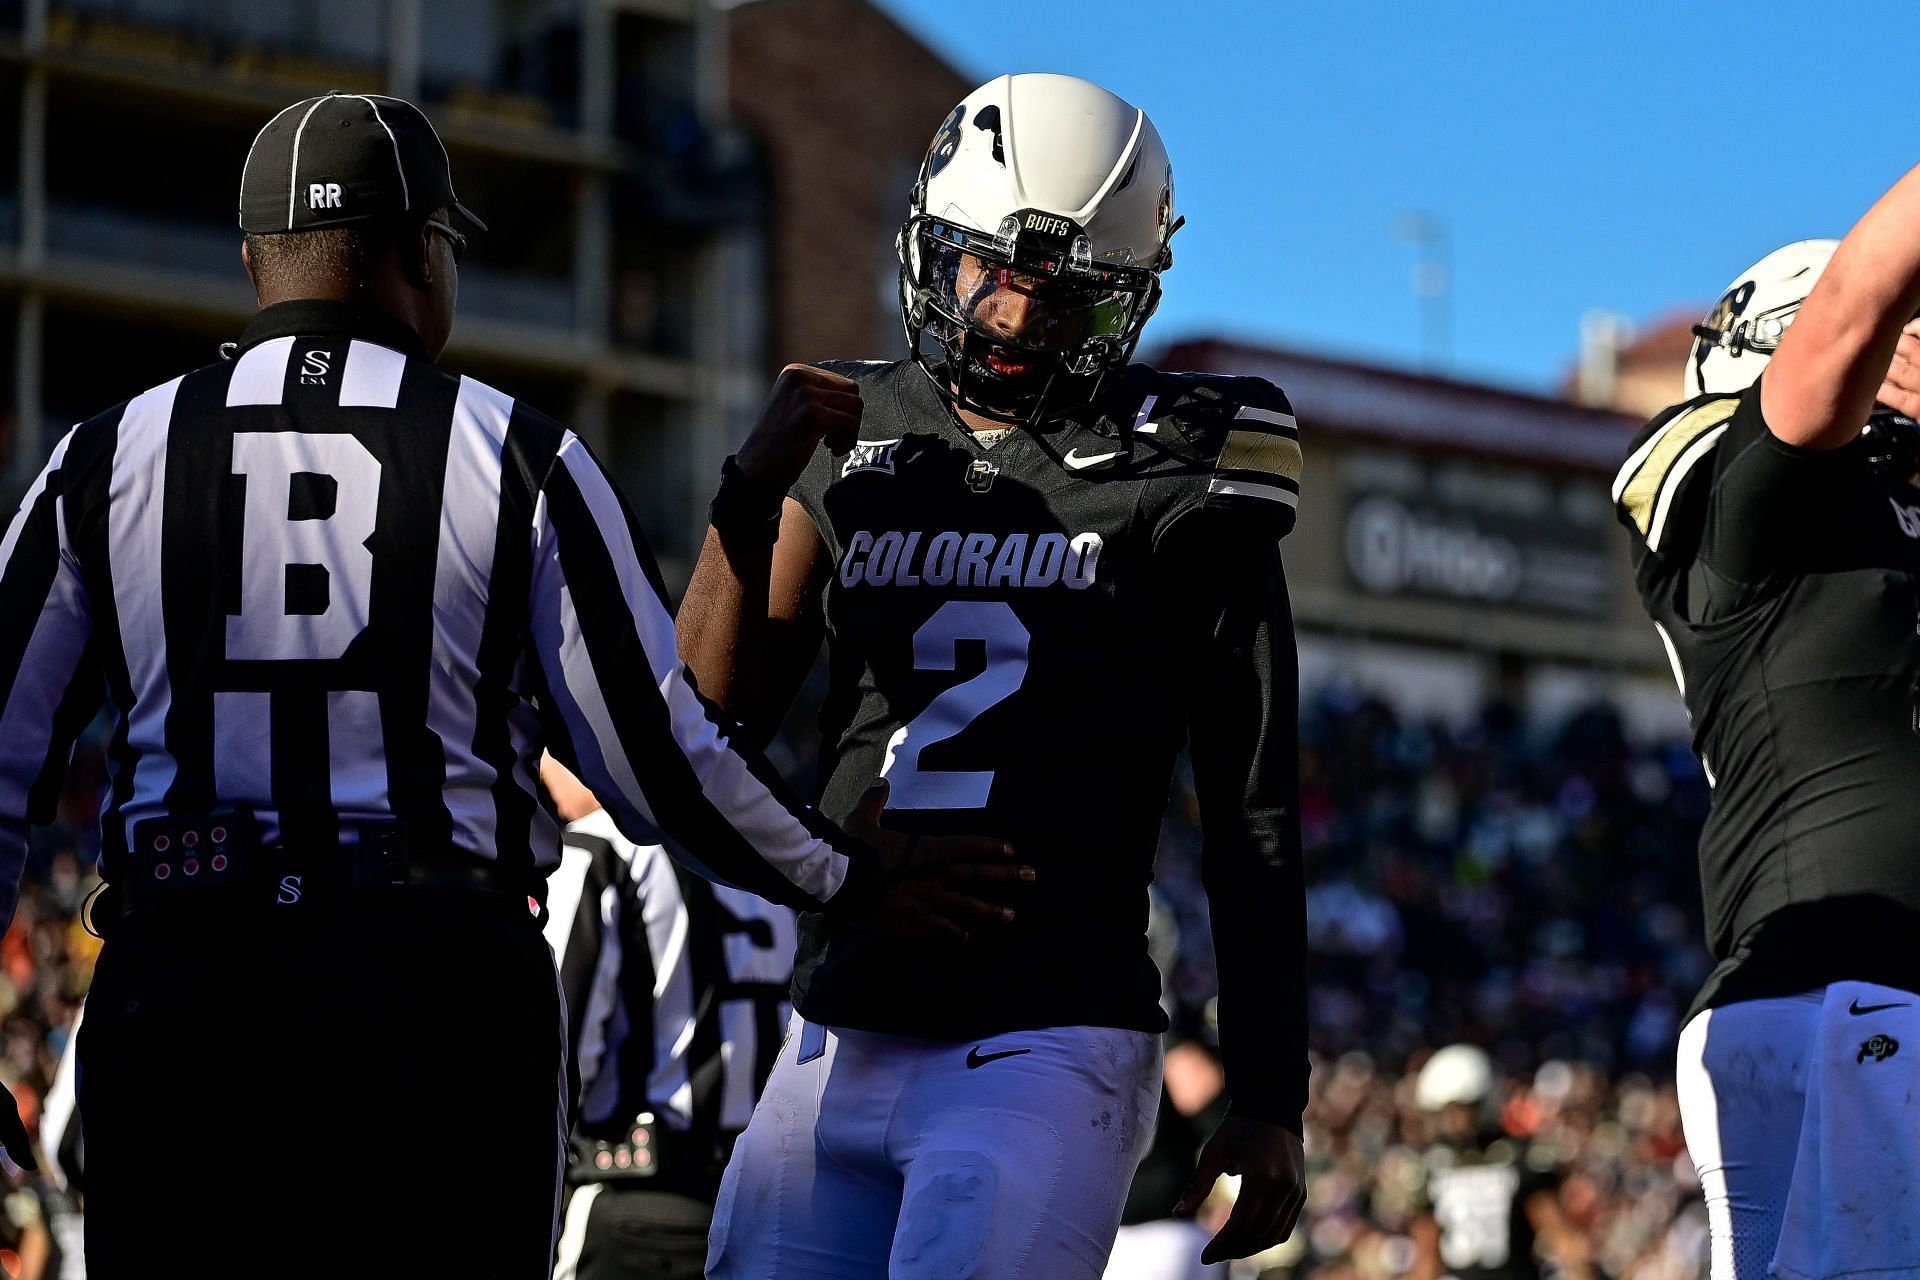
{"x": 1526, "y": 888}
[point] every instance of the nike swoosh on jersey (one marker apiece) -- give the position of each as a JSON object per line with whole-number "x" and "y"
{"x": 976, "y": 1059}
{"x": 1856, "y": 1008}
{"x": 1074, "y": 460}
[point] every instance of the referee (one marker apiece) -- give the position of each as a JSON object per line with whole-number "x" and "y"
{"x": 337, "y": 603}
{"x": 677, "y": 1002}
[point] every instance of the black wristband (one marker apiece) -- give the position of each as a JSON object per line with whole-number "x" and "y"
{"x": 744, "y": 512}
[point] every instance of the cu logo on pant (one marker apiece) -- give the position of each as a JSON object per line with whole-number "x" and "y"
{"x": 1879, "y": 1048}
{"x": 326, "y": 539}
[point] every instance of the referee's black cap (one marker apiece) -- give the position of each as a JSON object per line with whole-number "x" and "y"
{"x": 341, "y": 159}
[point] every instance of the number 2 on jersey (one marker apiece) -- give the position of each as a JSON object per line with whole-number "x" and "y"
{"x": 935, "y": 647}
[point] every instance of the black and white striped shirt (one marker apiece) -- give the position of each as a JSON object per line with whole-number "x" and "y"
{"x": 329, "y": 583}
{"x": 677, "y": 989}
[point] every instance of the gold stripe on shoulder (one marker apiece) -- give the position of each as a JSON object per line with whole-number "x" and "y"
{"x": 1643, "y": 491}
{"x": 1261, "y": 451}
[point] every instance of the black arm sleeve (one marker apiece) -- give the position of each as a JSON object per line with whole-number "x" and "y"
{"x": 1765, "y": 494}
{"x": 1228, "y": 593}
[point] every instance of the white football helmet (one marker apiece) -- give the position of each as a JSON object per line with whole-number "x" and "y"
{"x": 1031, "y": 254}
{"x": 1457, "y": 1074}
{"x": 1741, "y": 333}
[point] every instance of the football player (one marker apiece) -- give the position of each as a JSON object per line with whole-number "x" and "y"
{"x": 1042, "y": 568}
{"x": 1775, "y": 530}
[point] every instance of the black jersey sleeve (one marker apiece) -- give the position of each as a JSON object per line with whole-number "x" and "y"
{"x": 1763, "y": 490}
{"x": 1223, "y": 576}
{"x": 1244, "y": 444}
{"x": 1715, "y": 498}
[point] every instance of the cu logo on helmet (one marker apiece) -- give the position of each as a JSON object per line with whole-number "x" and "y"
{"x": 1731, "y": 308}
{"x": 946, "y": 141}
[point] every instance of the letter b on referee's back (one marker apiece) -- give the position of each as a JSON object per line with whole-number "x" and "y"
{"x": 306, "y": 575}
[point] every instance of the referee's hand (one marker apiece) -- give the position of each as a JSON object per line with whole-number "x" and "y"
{"x": 13, "y": 1134}
{"x": 936, "y": 886}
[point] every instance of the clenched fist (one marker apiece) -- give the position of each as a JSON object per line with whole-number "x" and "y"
{"x": 807, "y": 405}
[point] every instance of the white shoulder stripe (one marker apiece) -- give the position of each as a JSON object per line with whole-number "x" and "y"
{"x": 1671, "y": 484}
{"x": 260, "y": 374}
{"x": 1241, "y": 488}
{"x": 371, "y": 378}
{"x": 1625, "y": 475}
{"x": 1273, "y": 417}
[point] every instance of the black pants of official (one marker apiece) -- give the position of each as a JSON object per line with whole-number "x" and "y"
{"x": 631, "y": 1231}
{"x": 369, "y": 1087}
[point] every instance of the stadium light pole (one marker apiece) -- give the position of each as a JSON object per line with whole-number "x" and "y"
{"x": 1432, "y": 284}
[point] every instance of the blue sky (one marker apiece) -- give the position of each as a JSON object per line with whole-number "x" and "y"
{"x": 1626, "y": 157}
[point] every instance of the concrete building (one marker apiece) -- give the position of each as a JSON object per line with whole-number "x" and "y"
{"x": 1457, "y": 541}
{"x": 843, "y": 102}
{"x": 620, "y": 288}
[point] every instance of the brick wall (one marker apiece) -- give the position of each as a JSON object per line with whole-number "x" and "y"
{"x": 844, "y": 102}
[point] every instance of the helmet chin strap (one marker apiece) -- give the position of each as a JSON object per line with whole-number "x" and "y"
{"x": 1022, "y": 408}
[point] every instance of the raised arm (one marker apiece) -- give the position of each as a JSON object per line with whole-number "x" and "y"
{"x": 1226, "y": 581}
{"x": 750, "y": 623}
{"x": 629, "y": 721}
{"x": 1833, "y": 362}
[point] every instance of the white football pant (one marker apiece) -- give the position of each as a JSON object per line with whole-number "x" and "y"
{"x": 1800, "y": 1115}
{"x": 875, "y": 1157}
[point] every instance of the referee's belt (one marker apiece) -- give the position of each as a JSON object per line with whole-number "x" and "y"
{"x": 182, "y": 859}
{"x": 648, "y": 1153}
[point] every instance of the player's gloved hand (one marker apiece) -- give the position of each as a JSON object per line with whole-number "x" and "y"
{"x": 807, "y": 405}
{"x": 13, "y": 1133}
{"x": 1272, "y": 1165}
{"x": 935, "y": 886}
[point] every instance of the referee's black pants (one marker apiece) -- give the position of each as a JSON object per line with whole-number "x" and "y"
{"x": 631, "y": 1231}
{"x": 371, "y": 1086}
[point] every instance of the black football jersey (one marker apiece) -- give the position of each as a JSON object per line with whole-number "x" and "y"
{"x": 1478, "y": 1197}
{"x": 1782, "y": 582}
{"x": 1021, "y": 638}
